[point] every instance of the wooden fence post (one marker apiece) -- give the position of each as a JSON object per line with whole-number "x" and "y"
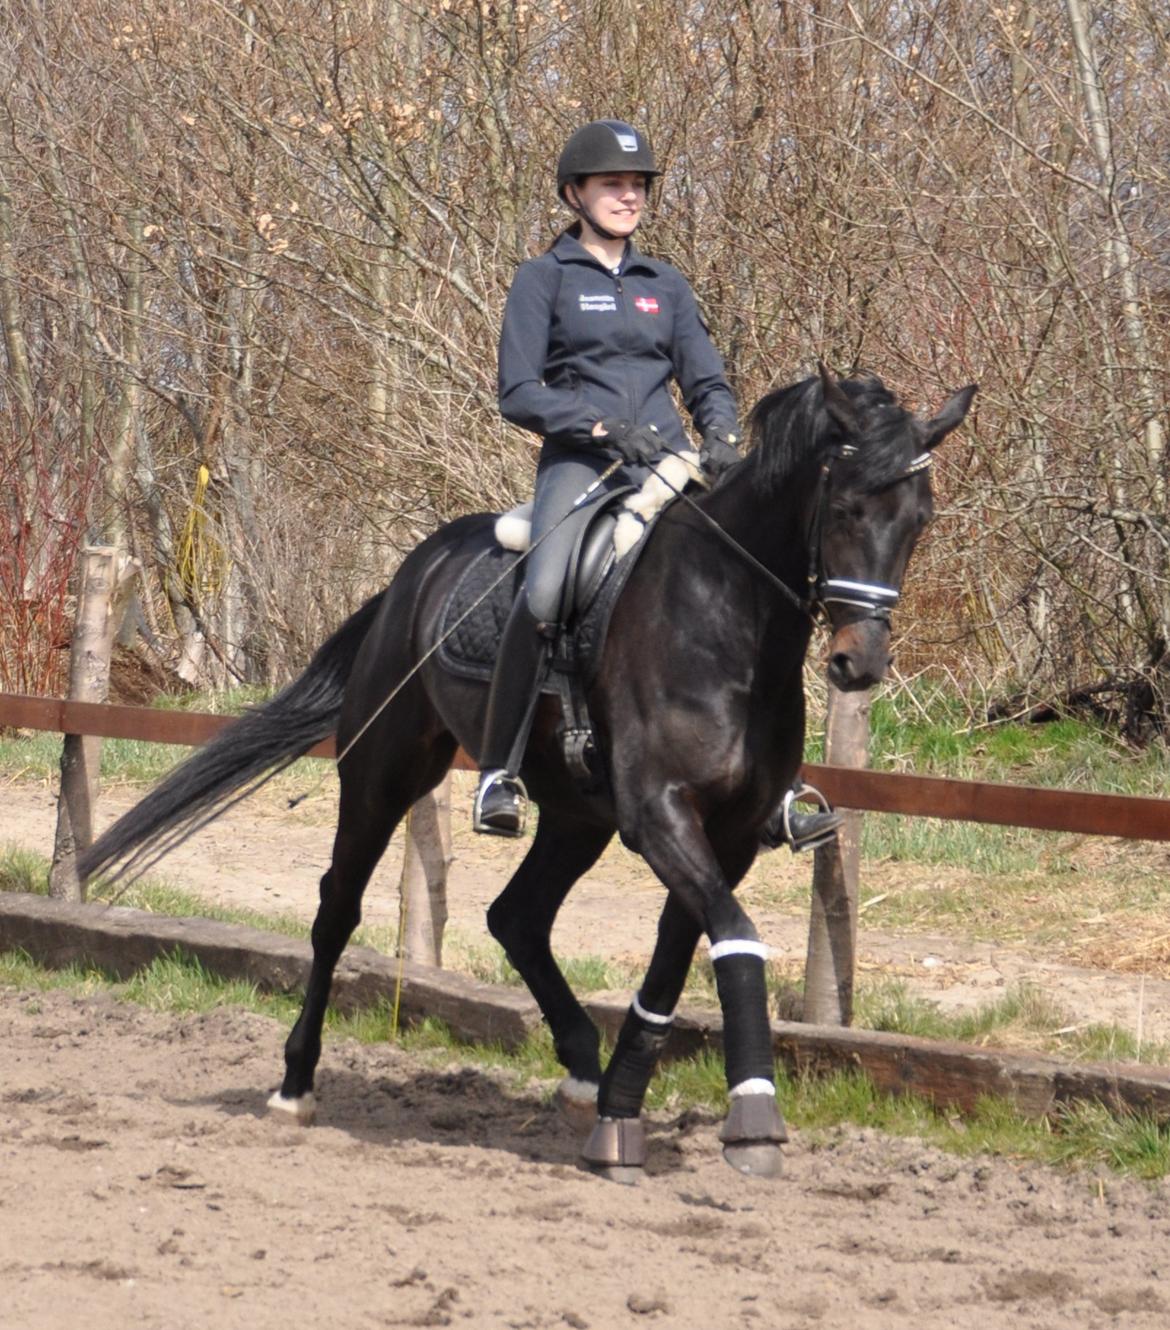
{"x": 422, "y": 890}
{"x": 89, "y": 674}
{"x": 103, "y": 578}
{"x": 832, "y": 932}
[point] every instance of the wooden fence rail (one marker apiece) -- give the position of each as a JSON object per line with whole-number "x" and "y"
{"x": 1132, "y": 817}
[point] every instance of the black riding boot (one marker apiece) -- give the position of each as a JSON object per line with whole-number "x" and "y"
{"x": 501, "y": 802}
{"x": 801, "y": 831}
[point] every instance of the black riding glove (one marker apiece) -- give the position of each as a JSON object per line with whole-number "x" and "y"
{"x": 718, "y": 451}
{"x": 635, "y": 444}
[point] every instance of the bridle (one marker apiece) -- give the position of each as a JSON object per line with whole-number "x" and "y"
{"x": 874, "y": 600}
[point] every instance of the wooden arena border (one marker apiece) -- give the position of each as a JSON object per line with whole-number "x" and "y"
{"x": 121, "y": 941}
{"x": 1086, "y": 813}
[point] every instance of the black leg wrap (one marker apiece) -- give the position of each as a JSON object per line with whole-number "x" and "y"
{"x": 626, "y": 1079}
{"x": 747, "y": 1036}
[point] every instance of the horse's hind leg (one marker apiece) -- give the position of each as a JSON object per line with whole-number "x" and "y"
{"x": 521, "y": 920}
{"x": 371, "y": 806}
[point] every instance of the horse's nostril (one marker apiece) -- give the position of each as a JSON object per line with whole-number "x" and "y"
{"x": 841, "y": 665}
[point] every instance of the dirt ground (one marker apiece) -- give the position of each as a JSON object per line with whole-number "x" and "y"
{"x": 142, "y": 1184}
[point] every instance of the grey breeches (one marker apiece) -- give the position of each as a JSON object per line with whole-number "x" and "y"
{"x": 561, "y": 478}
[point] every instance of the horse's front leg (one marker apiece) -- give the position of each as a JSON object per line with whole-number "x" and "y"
{"x": 617, "y": 1147}
{"x": 671, "y": 838}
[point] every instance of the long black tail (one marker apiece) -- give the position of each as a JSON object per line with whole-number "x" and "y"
{"x": 245, "y": 754}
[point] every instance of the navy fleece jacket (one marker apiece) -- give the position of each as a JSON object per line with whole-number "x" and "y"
{"x": 582, "y": 343}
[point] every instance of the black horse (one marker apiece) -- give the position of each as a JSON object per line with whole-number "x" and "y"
{"x": 698, "y": 710}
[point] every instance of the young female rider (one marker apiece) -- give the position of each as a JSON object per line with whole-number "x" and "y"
{"x": 593, "y": 334}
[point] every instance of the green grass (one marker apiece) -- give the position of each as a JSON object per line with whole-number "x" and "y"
{"x": 939, "y": 737}
{"x": 1079, "y": 1136}
{"x": 1023, "y": 1016}
{"x": 981, "y": 849}
{"x": 130, "y": 761}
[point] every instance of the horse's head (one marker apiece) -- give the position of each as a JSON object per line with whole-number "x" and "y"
{"x": 873, "y": 502}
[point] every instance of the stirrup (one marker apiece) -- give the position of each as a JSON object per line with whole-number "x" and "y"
{"x": 802, "y": 831}
{"x": 501, "y": 804}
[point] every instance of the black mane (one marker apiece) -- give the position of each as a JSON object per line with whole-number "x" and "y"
{"x": 791, "y": 427}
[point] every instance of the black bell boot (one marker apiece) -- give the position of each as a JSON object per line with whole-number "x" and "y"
{"x": 501, "y": 801}
{"x": 801, "y": 831}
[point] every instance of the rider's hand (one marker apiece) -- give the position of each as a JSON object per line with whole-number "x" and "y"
{"x": 634, "y": 444}
{"x": 719, "y": 451}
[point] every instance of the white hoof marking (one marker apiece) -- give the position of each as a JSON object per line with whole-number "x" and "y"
{"x": 303, "y": 1109}
{"x": 584, "y": 1092}
{"x": 576, "y": 1102}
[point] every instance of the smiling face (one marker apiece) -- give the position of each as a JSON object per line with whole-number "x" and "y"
{"x": 614, "y": 200}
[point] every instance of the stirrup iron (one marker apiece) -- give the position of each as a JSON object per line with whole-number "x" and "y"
{"x": 823, "y": 825}
{"x": 510, "y": 816}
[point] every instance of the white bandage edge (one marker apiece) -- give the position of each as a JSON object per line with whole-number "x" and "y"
{"x": 650, "y": 1017}
{"x": 738, "y": 947}
{"x": 755, "y": 1085}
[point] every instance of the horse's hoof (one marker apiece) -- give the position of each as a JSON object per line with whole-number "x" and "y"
{"x": 616, "y": 1150}
{"x": 303, "y": 1108}
{"x": 576, "y": 1102}
{"x": 757, "y": 1159}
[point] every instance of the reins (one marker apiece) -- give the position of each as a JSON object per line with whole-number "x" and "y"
{"x": 807, "y": 607}
{"x": 875, "y": 599}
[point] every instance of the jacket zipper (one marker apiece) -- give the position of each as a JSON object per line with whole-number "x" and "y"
{"x": 629, "y": 357}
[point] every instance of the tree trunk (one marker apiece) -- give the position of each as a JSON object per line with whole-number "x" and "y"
{"x": 104, "y": 575}
{"x": 423, "y": 887}
{"x": 832, "y": 933}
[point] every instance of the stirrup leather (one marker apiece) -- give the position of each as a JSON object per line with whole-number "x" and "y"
{"x": 502, "y": 781}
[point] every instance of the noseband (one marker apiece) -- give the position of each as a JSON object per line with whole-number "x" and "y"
{"x": 874, "y": 600}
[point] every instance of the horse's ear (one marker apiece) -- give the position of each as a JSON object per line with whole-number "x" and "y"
{"x": 951, "y": 416}
{"x": 837, "y": 404}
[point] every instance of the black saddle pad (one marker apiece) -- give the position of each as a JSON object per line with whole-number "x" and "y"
{"x": 476, "y": 611}
{"x": 473, "y": 619}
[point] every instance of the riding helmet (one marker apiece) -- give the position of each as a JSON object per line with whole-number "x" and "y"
{"x": 604, "y": 145}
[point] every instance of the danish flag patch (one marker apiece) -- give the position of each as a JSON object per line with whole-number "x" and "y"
{"x": 647, "y": 304}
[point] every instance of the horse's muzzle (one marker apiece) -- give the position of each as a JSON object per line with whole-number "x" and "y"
{"x": 859, "y": 654}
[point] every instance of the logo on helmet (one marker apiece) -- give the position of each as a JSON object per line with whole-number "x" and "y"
{"x": 627, "y": 142}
